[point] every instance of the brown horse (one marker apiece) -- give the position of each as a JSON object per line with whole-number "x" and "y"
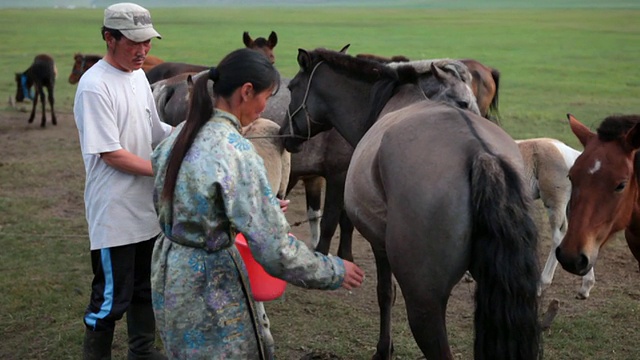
{"x": 82, "y": 63}
{"x": 262, "y": 44}
{"x": 486, "y": 81}
{"x": 604, "y": 198}
{"x": 485, "y": 84}
{"x": 171, "y": 69}
{"x": 41, "y": 74}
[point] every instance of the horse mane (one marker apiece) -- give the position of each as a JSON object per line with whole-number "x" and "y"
{"x": 614, "y": 126}
{"x": 385, "y": 79}
{"x": 91, "y": 57}
{"x": 365, "y": 69}
{"x": 455, "y": 67}
{"x": 382, "y": 59}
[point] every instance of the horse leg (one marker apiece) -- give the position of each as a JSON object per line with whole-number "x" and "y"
{"x": 558, "y": 224}
{"x": 265, "y": 327}
{"x": 426, "y": 316}
{"x": 588, "y": 281}
{"x": 51, "y": 101}
{"x": 386, "y": 298}
{"x": 332, "y": 214}
{"x": 44, "y": 103}
{"x": 346, "y": 236}
{"x": 33, "y": 108}
{"x": 313, "y": 194}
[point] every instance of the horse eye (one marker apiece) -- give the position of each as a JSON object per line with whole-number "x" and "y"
{"x": 621, "y": 186}
{"x": 463, "y": 104}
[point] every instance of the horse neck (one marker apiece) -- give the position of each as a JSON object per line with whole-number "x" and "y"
{"x": 405, "y": 95}
{"x": 351, "y": 111}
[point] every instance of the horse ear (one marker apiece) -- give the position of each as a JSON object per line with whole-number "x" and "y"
{"x": 437, "y": 72}
{"x": 304, "y": 59}
{"x": 580, "y": 130}
{"x": 246, "y": 39}
{"x": 345, "y": 48}
{"x": 633, "y": 137}
{"x": 273, "y": 39}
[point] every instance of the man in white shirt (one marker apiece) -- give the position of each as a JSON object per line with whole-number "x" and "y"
{"x": 118, "y": 127}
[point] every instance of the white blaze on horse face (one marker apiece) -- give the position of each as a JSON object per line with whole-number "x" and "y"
{"x": 596, "y": 166}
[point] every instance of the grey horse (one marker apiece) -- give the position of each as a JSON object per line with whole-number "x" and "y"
{"x": 436, "y": 191}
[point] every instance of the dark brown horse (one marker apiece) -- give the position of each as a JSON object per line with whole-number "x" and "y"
{"x": 82, "y": 63}
{"x": 41, "y": 74}
{"x": 436, "y": 191}
{"x": 605, "y": 195}
{"x": 485, "y": 84}
{"x": 171, "y": 69}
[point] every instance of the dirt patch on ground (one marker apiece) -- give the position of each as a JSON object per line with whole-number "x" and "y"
{"x": 339, "y": 324}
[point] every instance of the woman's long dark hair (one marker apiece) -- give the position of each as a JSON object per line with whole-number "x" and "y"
{"x": 236, "y": 69}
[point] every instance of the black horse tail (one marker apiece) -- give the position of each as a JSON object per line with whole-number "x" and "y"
{"x": 504, "y": 263}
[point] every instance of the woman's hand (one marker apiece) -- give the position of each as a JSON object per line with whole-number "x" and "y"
{"x": 284, "y": 204}
{"x": 353, "y": 275}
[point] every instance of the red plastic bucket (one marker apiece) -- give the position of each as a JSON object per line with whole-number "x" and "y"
{"x": 263, "y": 286}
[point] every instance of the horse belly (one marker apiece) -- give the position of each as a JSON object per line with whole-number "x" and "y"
{"x": 363, "y": 195}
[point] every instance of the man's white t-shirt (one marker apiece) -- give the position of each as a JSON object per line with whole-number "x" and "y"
{"x": 115, "y": 110}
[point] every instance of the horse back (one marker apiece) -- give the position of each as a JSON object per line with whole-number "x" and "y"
{"x": 166, "y": 70}
{"x": 547, "y": 163}
{"x": 277, "y": 161}
{"x": 43, "y": 70}
{"x": 424, "y": 151}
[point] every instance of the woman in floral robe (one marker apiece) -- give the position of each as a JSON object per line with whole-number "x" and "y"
{"x": 209, "y": 184}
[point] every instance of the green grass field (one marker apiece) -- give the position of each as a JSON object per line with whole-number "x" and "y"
{"x": 564, "y": 59}
{"x": 552, "y": 61}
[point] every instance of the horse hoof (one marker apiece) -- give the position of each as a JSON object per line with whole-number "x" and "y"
{"x": 580, "y": 296}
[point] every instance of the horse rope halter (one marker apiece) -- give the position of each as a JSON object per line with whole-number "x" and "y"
{"x": 290, "y": 116}
{"x": 80, "y": 71}
{"x": 303, "y": 106}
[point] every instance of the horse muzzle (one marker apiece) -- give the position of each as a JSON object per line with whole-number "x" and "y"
{"x": 293, "y": 144}
{"x": 578, "y": 264}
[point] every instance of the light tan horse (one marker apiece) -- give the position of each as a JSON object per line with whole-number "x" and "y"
{"x": 263, "y": 134}
{"x": 547, "y": 163}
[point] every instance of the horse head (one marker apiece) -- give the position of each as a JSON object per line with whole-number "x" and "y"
{"x": 604, "y": 189}
{"x": 81, "y": 64}
{"x": 23, "y": 87}
{"x": 261, "y": 44}
{"x": 318, "y": 105}
{"x": 444, "y": 80}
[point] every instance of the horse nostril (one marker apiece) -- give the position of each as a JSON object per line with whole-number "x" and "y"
{"x": 583, "y": 262}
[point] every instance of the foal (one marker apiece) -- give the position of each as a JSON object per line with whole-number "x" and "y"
{"x": 547, "y": 163}
{"x": 42, "y": 73}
